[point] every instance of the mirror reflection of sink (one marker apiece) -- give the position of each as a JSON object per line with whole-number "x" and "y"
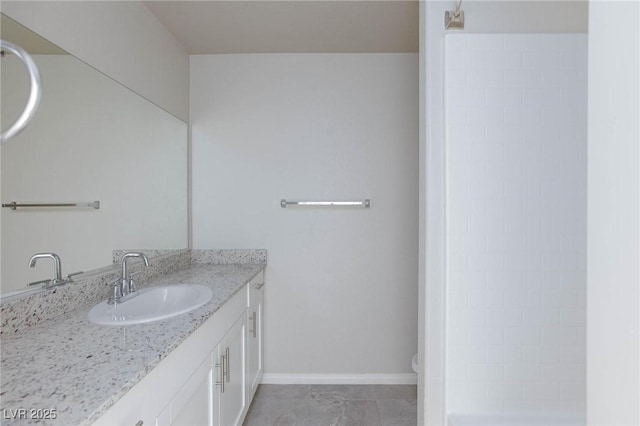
{"x": 152, "y": 304}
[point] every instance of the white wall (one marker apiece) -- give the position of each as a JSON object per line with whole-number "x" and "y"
{"x": 340, "y": 299}
{"x": 123, "y": 39}
{"x": 481, "y": 16}
{"x": 522, "y": 16}
{"x": 91, "y": 139}
{"x": 613, "y": 391}
{"x": 516, "y": 223}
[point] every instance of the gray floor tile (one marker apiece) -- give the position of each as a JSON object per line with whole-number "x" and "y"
{"x": 396, "y": 391}
{"x": 329, "y": 405}
{"x": 336, "y": 413}
{"x": 283, "y": 391}
{"x": 342, "y": 392}
{"x": 398, "y": 412}
{"x": 271, "y": 412}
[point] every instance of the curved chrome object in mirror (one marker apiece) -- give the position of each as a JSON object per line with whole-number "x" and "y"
{"x": 34, "y": 93}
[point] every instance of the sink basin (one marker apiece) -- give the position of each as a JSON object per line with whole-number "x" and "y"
{"x": 152, "y": 304}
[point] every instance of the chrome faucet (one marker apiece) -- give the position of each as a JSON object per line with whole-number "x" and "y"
{"x": 57, "y": 279}
{"x": 125, "y": 286}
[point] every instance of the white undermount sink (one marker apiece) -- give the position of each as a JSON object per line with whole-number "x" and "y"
{"x": 152, "y": 304}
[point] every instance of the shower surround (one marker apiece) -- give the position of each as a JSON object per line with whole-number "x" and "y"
{"x": 515, "y": 107}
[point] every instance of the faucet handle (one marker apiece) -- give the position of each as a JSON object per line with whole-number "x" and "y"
{"x": 68, "y": 278}
{"x": 116, "y": 292}
{"x": 46, "y": 283}
{"x": 132, "y": 283}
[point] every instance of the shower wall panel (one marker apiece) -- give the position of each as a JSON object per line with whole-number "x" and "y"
{"x": 516, "y": 142}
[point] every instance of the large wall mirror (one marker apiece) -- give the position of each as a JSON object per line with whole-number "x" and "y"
{"x": 91, "y": 139}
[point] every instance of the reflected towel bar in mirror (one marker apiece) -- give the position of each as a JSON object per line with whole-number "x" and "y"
{"x": 13, "y": 205}
{"x": 366, "y": 203}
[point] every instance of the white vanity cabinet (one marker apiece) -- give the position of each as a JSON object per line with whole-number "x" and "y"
{"x": 209, "y": 379}
{"x": 191, "y": 405}
{"x": 254, "y": 339}
{"x": 231, "y": 358}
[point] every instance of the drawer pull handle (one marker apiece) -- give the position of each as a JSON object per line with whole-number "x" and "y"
{"x": 254, "y": 321}
{"x": 140, "y": 423}
{"x": 227, "y": 373}
{"x": 222, "y": 374}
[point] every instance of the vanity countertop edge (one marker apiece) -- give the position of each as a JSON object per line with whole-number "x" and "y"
{"x": 80, "y": 369}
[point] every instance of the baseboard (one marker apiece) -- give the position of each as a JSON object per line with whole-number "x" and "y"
{"x": 339, "y": 379}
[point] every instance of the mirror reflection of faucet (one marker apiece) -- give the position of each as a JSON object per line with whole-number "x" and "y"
{"x": 57, "y": 265}
{"x": 124, "y": 288}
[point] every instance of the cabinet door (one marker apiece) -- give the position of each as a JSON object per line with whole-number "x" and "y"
{"x": 254, "y": 341}
{"x": 232, "y": 353}
{"x": 192, "y": 405}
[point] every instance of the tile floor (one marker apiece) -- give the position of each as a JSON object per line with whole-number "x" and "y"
{"x": 333, "y": 405}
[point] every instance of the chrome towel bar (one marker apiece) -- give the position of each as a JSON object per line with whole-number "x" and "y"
{"x": 13, "y": 205}
{"x": 366, "y": 203}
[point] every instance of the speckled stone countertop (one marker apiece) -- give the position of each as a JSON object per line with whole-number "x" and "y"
{"x": 80, "y": 369}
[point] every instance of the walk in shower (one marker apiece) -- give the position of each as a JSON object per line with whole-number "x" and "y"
{"x": 515, "y": 197}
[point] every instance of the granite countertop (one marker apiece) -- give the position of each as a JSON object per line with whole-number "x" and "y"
{"x": 80, "y": 369}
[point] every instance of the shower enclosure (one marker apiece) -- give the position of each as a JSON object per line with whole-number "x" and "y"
{"x": 503, "y": 209}
{"x": 504, "y": 154}
{"x": 515, "y": 224}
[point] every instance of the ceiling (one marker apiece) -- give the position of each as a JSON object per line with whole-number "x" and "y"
{"x": 294, "y": 26}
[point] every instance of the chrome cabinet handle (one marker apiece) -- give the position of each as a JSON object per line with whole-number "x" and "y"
{"x": 221, "y": 367}
{"x": 227, "y": 373}
{"x": 140, "y": 423}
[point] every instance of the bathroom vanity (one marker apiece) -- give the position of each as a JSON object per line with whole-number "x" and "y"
{"x": 201, "y": 367}
{"x": 210, "y": 378}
